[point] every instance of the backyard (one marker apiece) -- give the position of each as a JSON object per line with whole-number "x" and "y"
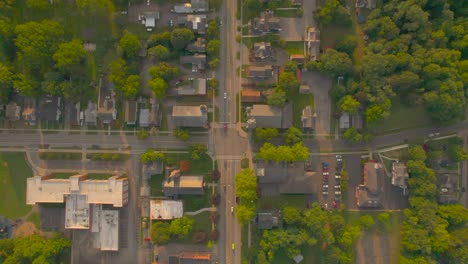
{"x": 295, "y": 47}
{"x": 300, "y": 101}
{"x": 13, "y": 173}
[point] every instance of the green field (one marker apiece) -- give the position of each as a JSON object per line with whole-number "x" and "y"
{"x": 300, "y": 101}
{"x": 295, "y": 47}
{"x": 278, "y": 202}
{"x": 156, "y": 185}
{"x": 13, "y": 173}
{"x": 197, "y": 167}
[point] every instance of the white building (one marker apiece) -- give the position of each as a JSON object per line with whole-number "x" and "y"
{"x": 166, "y": 209}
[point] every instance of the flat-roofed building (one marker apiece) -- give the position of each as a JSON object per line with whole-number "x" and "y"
{"x": 190, "y": 116}
{"x": 184, "y": 185}
{"x": 113, "y": 191}
{"x": 166, "y": 209}
{"x": 76, "y": 212}
{"x": 109, "y": 230}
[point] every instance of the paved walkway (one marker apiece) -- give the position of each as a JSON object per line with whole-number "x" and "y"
{"x": 209, "y": 209}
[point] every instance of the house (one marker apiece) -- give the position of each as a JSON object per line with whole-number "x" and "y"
{"x": 150, "y": 19}
{"x": 153, "y": 168}
{"x": 196, "y": 87}
{"x": 198, "y": 23}
{"x": 198, "y": 46}
{"x": 269, "y": 116}
{"x": 400, "y": 175}
{"x": 260, "y": 72}
{"x": 74, "y": 114}
{"x": 266, "y": 23}
{"x": 448, "y": 188}
{"x": 199, "y": 6}
{"x": 266, "y": 221}
{"x": 262, "y": 51}
{"x": 370, "y": 4}
{"x": 305, "y": 89}
{"x": 198, "y": 61}
{"x": 12, "y": 111}
{"x": 308, "y": 119}
{"x": 191, "y": 258}
{"x": 297, "y": 3}
{"x": 131, "y": 109}
{"x": 190, "y": 116}
{"x": 106, "y": 103}
{"x": 49, "y": 109}
{"x": 143, "y": 120}
{"x": 29, "y": 111}
{"x": 176, "y": 185}
{"x": 313, "y": 43}
{"x": 90, "y": 114}
{"x": 251, "y": 96}
{"x": 284, "y": 178}
{"x": 166, "y": 209}
{"x": 298, "y": 58}
{"x": 183, "y": 9}
{"x": 345, "y": 121}
{"x": 368, "y": 194}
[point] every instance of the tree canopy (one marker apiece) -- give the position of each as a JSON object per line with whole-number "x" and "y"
{"x": 69, "y": 53}
{"x": 130, "y": 45}
{"x": 181, "y": 37}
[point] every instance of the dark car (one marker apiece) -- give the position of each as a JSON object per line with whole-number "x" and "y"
{"x": 325, "y": 164}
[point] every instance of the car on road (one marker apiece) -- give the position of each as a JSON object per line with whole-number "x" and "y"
{"x": 233, "y": 246}
{"x": 225, "y": 127}
{"x": 232, "y": 209}
{"x": 225, "y": 96}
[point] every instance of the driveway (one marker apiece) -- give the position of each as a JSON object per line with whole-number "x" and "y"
{"x": 353, "y": 167}
{"x": 292, "y": 28}
{"x": 320, "y": 86}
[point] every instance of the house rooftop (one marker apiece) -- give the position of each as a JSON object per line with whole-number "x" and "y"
{"x": 166, "y": 209}
{"x": 373, "y": 173}
{"x": 130, "y": 112}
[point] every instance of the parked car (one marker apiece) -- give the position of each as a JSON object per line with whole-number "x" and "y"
{"x": 338, "y": 182}
{"x": 325, "y": 191}
{"x": 337, "y": 187}
{"x": 325, "y": 164}
{"x": 325, "y": 169}
{"x": 325, "y": 177}
{"x": 337, "y": 192}
{"x": 325, "y": 186}
{"x": 337, "y": 176}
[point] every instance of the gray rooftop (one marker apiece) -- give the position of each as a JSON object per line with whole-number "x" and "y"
{"x": 189, "y": 116}
{"x": 269, "y": 116}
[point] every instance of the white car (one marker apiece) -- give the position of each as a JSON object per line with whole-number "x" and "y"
{"x": 324, "y": 192}
{"x": 225, "y": 95}
{"x": 232, "y": 209}
{"x": 337, "y": 192}
{"x": 326, "y": 173}
{"x": 337, "y": 176}
{"x": 325, "y": 186}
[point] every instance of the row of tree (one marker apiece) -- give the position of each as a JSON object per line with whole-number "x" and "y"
{"x": 292, "y": 136}
{"x": 431, "y": 233}
{"x": 162, "y": 231}
{"x": 283, "y": 153}
{"x": 246, "y": 191}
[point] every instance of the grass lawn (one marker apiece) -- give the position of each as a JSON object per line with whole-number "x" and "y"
{"x": 197, "y": 167}
{"x": 156, "y": 182}
{"x": 402, "y": 118}
{"x": 295, "y": 47}
{"x": 288, "y": 12}
{"x": 13, "y": 173}
{"x": 299, "y": 102}
{"x": 35, "y": 218}
{"x": 196, "y": 202}
{"x": 333, "y": 34}
{"x": 277, "y": 202}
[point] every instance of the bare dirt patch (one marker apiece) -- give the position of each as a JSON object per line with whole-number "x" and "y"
{"x": 26, "y": 229}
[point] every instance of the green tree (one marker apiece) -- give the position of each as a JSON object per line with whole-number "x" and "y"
{"x": 352, "y": 135}
{"x": 37, "y": 42}
{"x": 416, "y": 152}
{"x": 267, "y": 152}
{"x": 25, "y": 85}
{"x": 245, "y": 213}
{"x": 214, "y": 63}
{"x": 129, "y": 44}
{"x": 447, "y": 105}
{"x": 6, "y": 82}
{"x": 335, "y": 63}
{"x": 160, "y": 52}
{"x": 33, "y": 249}
{"x": 180, "y": 37}
{"x": 164, "y": 70}
{"x": 300, "y": 152}
{"x": 118, "y": 72}
{"x": 455, "y": 214}
{"x": 160, "y": 233}
{"x": 197, "y": 151}
{"x": 212, "y": 32}
{"x": 373, "y": 113}
{"x": 327, "y": 12}
{"x": 276, "y": 97}
{"x": 457, "y": 153}
{"x": 246, "y": 186}
{"x": 87, "y": 6}
{"x": 293, "y": 135}
{"x": 181, "y": 226}
{"x": 291, "y": 215}
{"x": 291, "y": 66}
{"x": 158, "y": 86}
{"x": 181, "y": 134}
{"x": 38, "y": 4}
{"x": 69, "y": 53}
{"x": 142, "y": 134}
{"x": 384, "y": 217}
{"x": 163, "y": 39}
{"x": 213, "y": 47}
{"x": 288, "y": 82}
{"x": 348, "y": 104}
{"x": 131, "y": 87}
{"x": 265, "y": 134}
{"x": 347, "y": 44}
{"x": 366, "y": 221}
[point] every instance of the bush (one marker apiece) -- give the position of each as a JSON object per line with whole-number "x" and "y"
{"x": 199, "y": 237}
{"x": 366, "y": 221}
{"x": 170, "y": 162}
{"x": 244, "y": 163}
{"x": 142, "y": 134}
{"x": 214, "y": 235}
{"x": 215, "y": 175}
{"x": 215, "y": 199}
{"x": 184, "y": 166}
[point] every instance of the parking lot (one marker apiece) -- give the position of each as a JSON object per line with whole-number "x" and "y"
{"x": 329, "y": 169}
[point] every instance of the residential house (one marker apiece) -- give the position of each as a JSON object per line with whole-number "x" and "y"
{"x": 198, "y": 61}
{"x": 143, "y": 119}
{"x": 190, "y": 116}
{"x": 196, "y": 87}
{"x": 448, "y": 186}
{"x": 198, "y": 46}
{"x": 49, "y": 109}
{"x": 313, "y": 43}
{"x": 150, "y": 19}
{"x": 90, "y": 114}
{"x": 284, "y": 178}
{"x": 12, "y": 111}
{"x": 166, "y": 209}
{"x": 74, "y": 114}
{"x": 176, "y": 185}
{"x": 298, "y": 58}
{"x": 266, "y": 221}
{"x": 131, "y": 108}
{"x": 191, "y": 258}
{"x": 198, "y": 23}
{"x": 183, "y": 9}
{"x": 260, "y": 72}
{"x": 308, "y": 119}
{"x": 106, "y": 103}
{"x": 266, "y": 23}
{"x": 29, "y": 111}
{"x": 199, "y": 6}
{"x": 368, "y": 194}
{"x": 400, "y": 175}
{"x": 305, "y": 89}
{"x": 251, "y": 96}
{"x": 262, "y": 51}
{"x": 345, "y": 121}
{"x": 269, "y": 116}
